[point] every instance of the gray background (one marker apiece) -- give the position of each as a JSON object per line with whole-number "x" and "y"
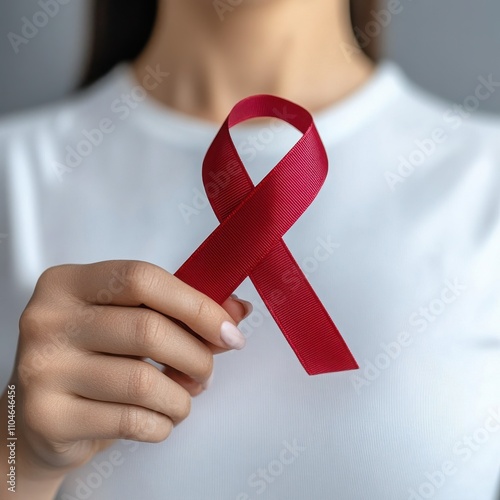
{"x": 444, "y": 45}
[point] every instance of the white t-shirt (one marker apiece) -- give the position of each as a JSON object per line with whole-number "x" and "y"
{"x": 402, "y": 246}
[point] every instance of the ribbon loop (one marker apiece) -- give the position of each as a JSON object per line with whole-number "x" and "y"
{"x": 253, "y": 220}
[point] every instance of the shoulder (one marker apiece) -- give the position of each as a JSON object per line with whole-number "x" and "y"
{"x": 442, "y": 177}
{"x": 45, "y": 144}
{"x": 442, "y": 141}
{"x": 44, "y": 130}
{"x": 448, "y": 122}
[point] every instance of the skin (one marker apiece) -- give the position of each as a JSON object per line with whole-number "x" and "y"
{"x": 80, "y": 374}
{"x": 81, "y": 377}
{"x": 291, "y": 48}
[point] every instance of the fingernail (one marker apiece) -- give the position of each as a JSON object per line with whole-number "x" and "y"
{"x": 232, "y": 336}
{"x": 246, "y": 305}
{"x": 208, "y": 383}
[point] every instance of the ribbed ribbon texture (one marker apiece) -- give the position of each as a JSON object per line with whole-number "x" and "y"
{"x": 253, "y": 220}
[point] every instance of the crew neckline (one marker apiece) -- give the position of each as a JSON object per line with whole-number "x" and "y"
{"x": 335, "y": 123}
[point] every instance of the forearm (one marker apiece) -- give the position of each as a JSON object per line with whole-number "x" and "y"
{"x": 21, "y": 478}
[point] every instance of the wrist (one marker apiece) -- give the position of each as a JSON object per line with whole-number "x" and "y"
{"x": 34, "y": 482}
{"x": 19, "y": 473}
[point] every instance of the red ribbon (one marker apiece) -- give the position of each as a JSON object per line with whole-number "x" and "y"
{"x": 253, "y": 220}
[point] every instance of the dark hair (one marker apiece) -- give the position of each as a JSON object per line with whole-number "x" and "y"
{"x": 121, "y": 30}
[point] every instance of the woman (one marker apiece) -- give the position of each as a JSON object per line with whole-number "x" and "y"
{"x": 401, "y": 245}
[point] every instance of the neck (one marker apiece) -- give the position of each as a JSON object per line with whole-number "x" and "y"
{"x": 215, "y": 57}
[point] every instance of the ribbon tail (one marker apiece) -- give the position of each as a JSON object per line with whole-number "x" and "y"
{"x": 297, "y": 310}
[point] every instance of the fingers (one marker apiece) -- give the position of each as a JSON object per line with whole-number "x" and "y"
{"x": 146, "y": 333}
{"x": 89, "y": 419}
{"x": 133, "y": 283}
{"x": 83, "y": 335}
{"x": 127, "y": 381}
{"x": 192, "y": 386}
{"x": 60, "y": 419}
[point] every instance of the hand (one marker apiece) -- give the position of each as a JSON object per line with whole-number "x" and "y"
{"x": 81, "y": 376}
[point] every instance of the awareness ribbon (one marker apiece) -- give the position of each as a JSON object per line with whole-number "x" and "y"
{"x": 253, "y": 220}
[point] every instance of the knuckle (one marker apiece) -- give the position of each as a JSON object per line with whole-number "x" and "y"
{"x": 51, "y": 276}
{"x": 203, "y": 310}
{"x": 38, "y": 365}
{"x": 40, "y": 325}
{"x": 31, "y": 321}
{"x": 205, "y": 363}
{"x": 37, "y": 416}
{"x": 26, "y": 369}
{"x": 140, "y": 276}
{"x": 140, "y": 382}
{"x": 44, "y": 313}
{"x": 48, "y": 276}
{"x": 136, "y": 423}
{"x": 148, "y": 330}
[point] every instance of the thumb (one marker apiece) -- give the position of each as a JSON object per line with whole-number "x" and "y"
{"x": 237, "y": 308}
